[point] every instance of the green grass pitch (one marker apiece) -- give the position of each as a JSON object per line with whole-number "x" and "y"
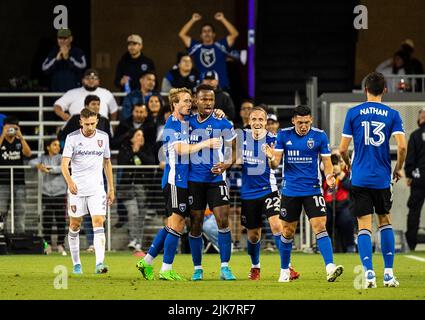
{"x": 33, "y": 277}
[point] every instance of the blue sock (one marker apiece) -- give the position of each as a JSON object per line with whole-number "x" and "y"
{"x": 196, "y": 246}
{"x": 170, "y": 246}
{"x": 225, "y": 244}
{"x": 364, "y": 242}
{"x": 285, "y": 249}
{"x": 387, "y": 245}
{"x": 277, "y": 240}
{"x": 254, "y": 251}
{"x": 158, "y": 243}
{"x": 325, "y": 247}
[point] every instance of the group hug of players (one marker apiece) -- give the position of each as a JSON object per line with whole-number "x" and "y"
{"x": 200, "y": 148}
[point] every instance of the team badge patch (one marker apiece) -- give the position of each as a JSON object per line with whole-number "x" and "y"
{"x": 208, "y": 130}
{"x": 182, "y": 207}
{"x": 74, "y": 209}
{"x": 207, "y": 57}
{"x": 100, "y": 143}
{"x": 283, "y": 212}
{"x": 310, "y": 143}
{"x": 190, "y": 200}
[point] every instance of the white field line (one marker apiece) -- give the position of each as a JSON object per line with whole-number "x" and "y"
{"x": 416, "y": 258}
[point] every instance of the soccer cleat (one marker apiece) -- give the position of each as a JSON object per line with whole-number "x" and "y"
{"x": 146, "y": 269}
{"x": 390, "y": 281}
{"x": 285, "y": 276}
{"x": 293, "y": 275}
{"x": 226, "y": 274}
{"x": 254, "y": 274}
{"x": 370, "y": 280}
{"x": 77, "y": 269}
{"x": 198, "y": 275}
{"x": 101, "y": 268}
{"x": 334, "y": 273}
{"x": 170, "y": 275}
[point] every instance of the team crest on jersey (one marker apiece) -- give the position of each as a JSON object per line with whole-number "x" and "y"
{"x": 190, "y": 200}
{"x": 283, "y": 212}
{"x": 144, "y": 67}
{"x": 74, "y": 209}
{"x": 208, "y": 130}
{"x": 177, "y": 135}
{"x": 100, "y": 143}
{"x": 207, "y": 57}
{"x": 182, "y": 207}
{"x": 310, "y": 143}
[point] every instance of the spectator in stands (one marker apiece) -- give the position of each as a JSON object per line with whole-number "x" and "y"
{"x": 131, "y": 188}
{"x": 415, "y": 65}
{"x": 246, "y": 107}
{"x": 395, "y": 66}
{"x": 183, "y": 75}
{"x": 415, "y": 174}
{"x": 210, "y": 54}
{"x": 223, "y": 100}
{"x": 339, "y": 219}
{"x": 138, "y": 120}
{"x": 72, "y": 102}
{"x": 64, "y": 64}
{"x": 272, "y": 123}
{"x": 13, "y": 149}
{"x": 53, "y": 195}
{"x": 147, "y": 86}
{"x": 91, "y": 102}
{"x": 132, "y": 65}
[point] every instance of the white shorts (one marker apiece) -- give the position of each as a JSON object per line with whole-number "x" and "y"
{"x": 79, "y": 206}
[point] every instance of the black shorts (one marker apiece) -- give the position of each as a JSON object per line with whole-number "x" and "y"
{"x": 253, "y": 210}
{"x": 203, "y": 193}
{"x": 176, "y": 200}
{"x": 366, "y": 201}
{"x": 291, "y": 207}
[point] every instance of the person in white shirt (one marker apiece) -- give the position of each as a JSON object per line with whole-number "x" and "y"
{"x": 72, "y": 102}
{"x": 87, "y": 149}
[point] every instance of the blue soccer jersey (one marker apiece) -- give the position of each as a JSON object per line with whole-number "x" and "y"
{"x": 301, "y": 173}
{"x": 258, "y": 179}
{"x": 176, "y": 171}
{"x": 202, "y": 162}
{"x": 371, "y": 125}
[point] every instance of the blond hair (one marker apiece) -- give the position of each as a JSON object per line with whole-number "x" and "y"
{"x": 173, "y": 96}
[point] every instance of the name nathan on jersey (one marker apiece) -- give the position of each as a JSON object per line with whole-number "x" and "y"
{"x": 373, "y": 110}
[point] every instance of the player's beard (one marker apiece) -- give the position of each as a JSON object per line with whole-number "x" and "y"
{"x": 90, "y": 88}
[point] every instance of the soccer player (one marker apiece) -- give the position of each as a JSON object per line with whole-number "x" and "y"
{"x": 371, "y": 125}
{"x": 174, "y": 184}
{"x": 207, "y": 180}
{"x": 87, "y": 149}
{"x": 301, "y": 186}
{"x": 259, "y": 192}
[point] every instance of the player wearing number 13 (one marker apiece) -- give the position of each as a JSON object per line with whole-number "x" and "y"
{"x": 371, "y": 125}
{"x": 301, "y": 186}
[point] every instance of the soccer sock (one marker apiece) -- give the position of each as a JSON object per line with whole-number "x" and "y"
{"x": 170, "y": 246}
{"x": 157, "y": 245}
{"x": 364, "y": 242}
{"x": 99, "y": 244}
{"x": 285, "y": 249}
{"x": 254, "y": 252}
{"x": 276, "y": 237}
{"x": 225, "y": 244}
{"x": 74, "y": 246}
{"x": 325, "y": 247}
{"x": 196, "y": 246}
{"x": 387, "y": 245}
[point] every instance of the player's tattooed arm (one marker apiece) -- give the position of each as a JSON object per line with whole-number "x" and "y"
{"x": 65, "y": 172}
{"x": 229, "y": 158}
{"x": 274, "y": 156}
{"x": 107, "y": 165}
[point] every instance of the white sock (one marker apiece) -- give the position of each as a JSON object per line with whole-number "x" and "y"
{"x": 74, "y": 246}
{"x": 224, "y": 264}
{"x": 255, "y": 265}
{"x": 99, "y": 244}
{"x": 284, "y": 271}
{"x": 198, "y": 267}
{"x": 389, "y": 271}
{"x": 148, "y": 259}
{"x": 330, "y": 267}
{"x": 166, "y": 267}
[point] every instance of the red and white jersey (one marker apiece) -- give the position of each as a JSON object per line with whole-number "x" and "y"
{"x": 87, "y": 154}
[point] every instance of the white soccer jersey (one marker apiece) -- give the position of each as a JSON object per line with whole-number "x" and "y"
{"x": 73, "y": 101}
{"x": 87, "y": 154}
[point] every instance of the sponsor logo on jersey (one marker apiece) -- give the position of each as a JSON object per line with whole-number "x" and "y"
{"x": 207, "y": 57}
{"x": 100, "y": 143}
{"x": 310, "y": 143}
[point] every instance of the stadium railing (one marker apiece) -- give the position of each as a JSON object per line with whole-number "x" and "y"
{"x": 403, "y": 82}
